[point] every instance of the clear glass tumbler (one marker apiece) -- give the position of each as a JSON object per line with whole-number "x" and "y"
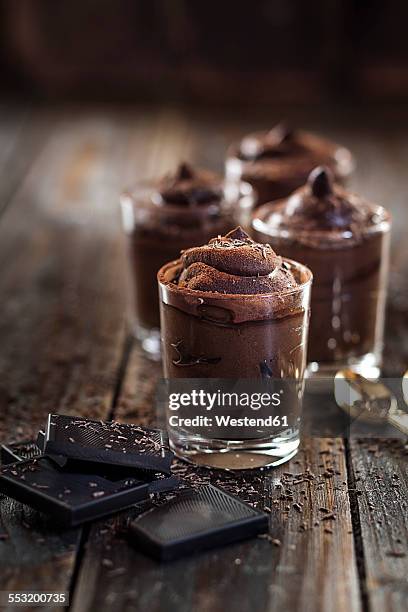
{"x": 156, "y": 233}
{"x": 278, "y": 161}
{"x": 349, "y": 289}
{"x": 243, "y": 340}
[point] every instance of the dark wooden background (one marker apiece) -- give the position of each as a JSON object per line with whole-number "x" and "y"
{"x": 64, "y": 347}
{"x": 206, "y": 52}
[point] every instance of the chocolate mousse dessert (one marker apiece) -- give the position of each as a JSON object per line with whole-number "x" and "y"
{"x": 234, "y": 309}
{"x": 345, "y": 242}
{"x": 161, "y": 218}
{"x": 278, "y": 161}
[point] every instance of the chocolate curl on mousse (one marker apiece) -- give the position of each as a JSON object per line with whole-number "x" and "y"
{"x": 189, "y": 186}
{"x": 235, "y": 264}
{"x": 322, "y": 205}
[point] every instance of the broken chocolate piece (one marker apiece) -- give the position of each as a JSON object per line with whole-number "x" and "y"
{"x": 71, "y": 496}
{"x": 99, "y": 442}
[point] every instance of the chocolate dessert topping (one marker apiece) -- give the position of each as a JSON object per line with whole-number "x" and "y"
{"x": 321, "y": 182}
{"x": 235, "y": 264}
{"x": 322, "y": 205}
{"x": 189, "y": 187}
{"x": 184, "y": 172}
{"x": 278, "y": 142}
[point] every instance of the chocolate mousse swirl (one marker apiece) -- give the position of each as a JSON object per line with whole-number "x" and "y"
{"x": 190, "y": 187}
{"x": 235, "y": 264}
{"x": 322, "y": 205}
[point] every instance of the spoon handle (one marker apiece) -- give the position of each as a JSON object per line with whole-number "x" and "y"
{"x": 399, "y": 419}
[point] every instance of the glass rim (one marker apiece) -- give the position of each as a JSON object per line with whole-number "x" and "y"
{"x": 343, "y": 158}
{"x": 148, "y": 187}
{"x": 299, "y": 289}
{"x": 259, "y": 224}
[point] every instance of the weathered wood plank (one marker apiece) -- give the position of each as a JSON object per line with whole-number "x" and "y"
{"x": 314, "y": 568}
{"x": 380, "y": 471}
{"x": 23, "y": 133}
{"x": 317, "y": 569}
{"x": 53, "y": 355}
{"x": 66, "y": 290}
{"x": 308, "y": 562}
{"x": 136, "y": 401}
{"x": 302, "y": 567}
{"x": 35, "y": 555}
{"x": 62, "y": 323}
{"x": 63, "y": 347}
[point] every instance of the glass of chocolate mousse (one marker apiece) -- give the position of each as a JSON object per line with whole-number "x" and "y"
{"x": 278, "y": 161}
{"x": 235, "y": 312}
{"x": 345, "y": 242}
{"x": 165, "y": 216}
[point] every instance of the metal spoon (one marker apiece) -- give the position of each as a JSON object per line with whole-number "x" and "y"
{"x": 368, "y": 400}
{"x": 405, "y": 386}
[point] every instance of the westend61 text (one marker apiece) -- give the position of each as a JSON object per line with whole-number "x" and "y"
{"x": 228, "y": 421}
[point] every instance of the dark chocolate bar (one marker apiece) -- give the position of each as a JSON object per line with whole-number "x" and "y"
{"x": 196, "y": 521}
{"x": 58, "y": 459}
{"x": 111, "y": 443}
{"x": 19, "y": 451}
{"x": 71, "y": 496}
{"x": 41, "y": 440}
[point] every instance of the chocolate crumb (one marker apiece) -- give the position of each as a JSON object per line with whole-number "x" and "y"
{"x": 272, "y": 540}
{"x": 329, "y": 517}
{"x": 396, "y": 553}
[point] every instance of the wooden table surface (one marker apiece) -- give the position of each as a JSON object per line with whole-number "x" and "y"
{"x": 64, "y": 347}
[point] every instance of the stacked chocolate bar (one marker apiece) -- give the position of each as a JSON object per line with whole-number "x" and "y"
{"x": 80, "y": 470}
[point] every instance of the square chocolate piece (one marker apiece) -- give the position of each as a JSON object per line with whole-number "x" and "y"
{"x": 112, "y": 443}
{"x": 196, "y": 521}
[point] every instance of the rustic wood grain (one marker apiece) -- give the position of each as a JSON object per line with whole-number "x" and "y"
{"x": 306, "y": 563}
{"x": 63, "y": 327}
{"x": 311, "y": 569}
{"x": 136, "y": 401}
{"x": 62, "y": 323}
{"x": 23, "y": 133}
{"x": 64, "y": 347}
{"x": 53, "y": 357}
{"x": 379, "y": 470}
